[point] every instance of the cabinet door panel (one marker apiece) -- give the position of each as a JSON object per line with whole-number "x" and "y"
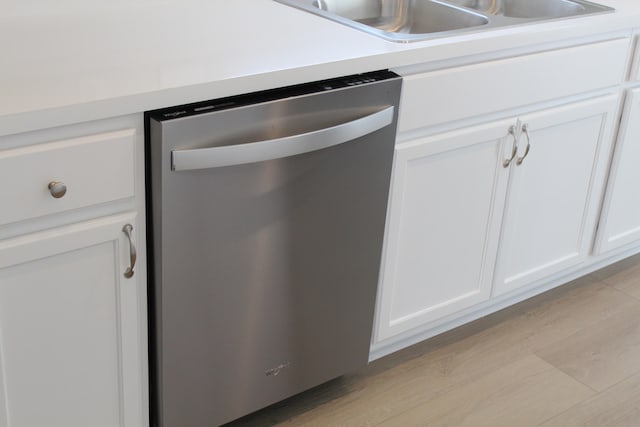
{"x": 554, "y": 193}
{"x": 63, "y": 306}
{"x": 442, "y": 233}
{"x": 620, "y": 222}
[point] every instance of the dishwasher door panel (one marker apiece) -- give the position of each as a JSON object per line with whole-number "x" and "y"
{"x": 265, "y": 273}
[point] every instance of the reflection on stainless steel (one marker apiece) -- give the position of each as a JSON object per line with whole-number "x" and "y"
{"x": 493, "y": 7}
{"x": 413, "y": 20}
{"x": 526, "y": 8}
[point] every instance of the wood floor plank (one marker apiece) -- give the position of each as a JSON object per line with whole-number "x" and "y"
{"x": 379, "y": 396}
{"x": 522, "y": 394}
{"x": 564, "y": 311}
{"x": 618, "y": 406}
{"x": 403, "y": 380}
{"x": 430, "y": 370}
{"x": 601, "y": 355}
{"x": 624, "y": 275}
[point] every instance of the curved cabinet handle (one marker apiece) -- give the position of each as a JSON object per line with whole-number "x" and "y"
{"x": 512, "y": 132}
{"x": 127, "y": 229}
{"x": 204, "y": 158}
{"x": 525, "y": 131}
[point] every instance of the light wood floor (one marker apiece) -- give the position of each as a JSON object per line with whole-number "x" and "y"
{"x": 569, "y": 357}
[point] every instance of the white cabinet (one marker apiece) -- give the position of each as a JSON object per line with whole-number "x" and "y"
{"x": 71, "y": 344}
{"x": 72, "y": 324}
{"x": 466, "y": 224}
{"x": 443, "y": 226}
{"x": 554, "y": 193}
{"x": 469, "y": 233}
{"x": 620, "y": 221}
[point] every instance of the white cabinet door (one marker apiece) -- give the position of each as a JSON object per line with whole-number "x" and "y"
{"x": 620, "y": 221}
{"x": 443, "y": 226}
{"x": 71, "y": 329}
{"x": 554, "y": 194}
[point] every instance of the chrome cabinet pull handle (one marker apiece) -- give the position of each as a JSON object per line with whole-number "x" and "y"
{"x": 525, "y": 131}
{"x": 57, "y": 189}
{"x": 512, "y": 132}
{"x": 127, "y": 229}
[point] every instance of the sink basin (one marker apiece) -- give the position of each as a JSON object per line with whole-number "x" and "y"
{"x": 413, "y": 20}
{"x": 398, "y": 20}
{"x": 525, "y": 8}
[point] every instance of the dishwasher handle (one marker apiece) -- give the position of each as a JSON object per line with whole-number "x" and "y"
{"x": 204, "y": 158}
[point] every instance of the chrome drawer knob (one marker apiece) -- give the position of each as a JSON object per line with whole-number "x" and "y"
{"x": 57, "y": 189}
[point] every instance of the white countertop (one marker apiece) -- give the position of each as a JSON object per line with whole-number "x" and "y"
{"x": 76, "y": 60}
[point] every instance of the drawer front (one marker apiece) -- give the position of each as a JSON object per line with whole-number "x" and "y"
{"x": 457, "y": 93}
{"x": 94, "y": 169}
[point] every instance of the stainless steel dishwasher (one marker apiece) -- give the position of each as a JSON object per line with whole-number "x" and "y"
{"x": 267, "y": 214}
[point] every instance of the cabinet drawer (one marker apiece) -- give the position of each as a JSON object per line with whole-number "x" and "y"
{"x": 457, "y": 93}
{"x": 95, "y": 169}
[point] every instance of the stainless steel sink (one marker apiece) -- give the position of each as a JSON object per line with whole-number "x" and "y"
{"x": 413, "y": 20}
{"x": 397, "y": 20}
{"x": 533, "y": 9}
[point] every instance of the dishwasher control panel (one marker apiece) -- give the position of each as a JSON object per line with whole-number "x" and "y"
{"x": 270, "y": 95}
